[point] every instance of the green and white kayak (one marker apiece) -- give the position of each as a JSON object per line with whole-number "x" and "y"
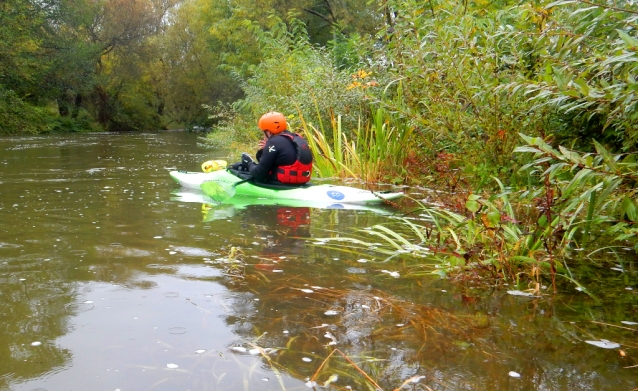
{"x": 214, "y": 210}
{"x": 316, "y": 194}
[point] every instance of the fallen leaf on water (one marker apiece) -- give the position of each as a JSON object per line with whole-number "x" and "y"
{"x": 521, "y": 293}
{"x": 603, "y": 343}
{"x": 331, "y": 379}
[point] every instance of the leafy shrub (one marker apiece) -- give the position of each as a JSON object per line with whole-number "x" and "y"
{"x": 584, "y": 65}
{"x": 297, "y": 78}
{"x": 17, "y": 116}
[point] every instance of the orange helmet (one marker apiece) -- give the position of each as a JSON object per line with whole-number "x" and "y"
{"x": 273, "y": 121}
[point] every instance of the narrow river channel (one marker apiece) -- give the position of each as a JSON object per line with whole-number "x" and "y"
{"x": 111, "y": 279}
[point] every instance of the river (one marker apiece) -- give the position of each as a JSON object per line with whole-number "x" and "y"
{"x": 112, "y": 280}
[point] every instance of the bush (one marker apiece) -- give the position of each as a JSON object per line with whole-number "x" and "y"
{"x": 17, "y": 116}
{"x": 299, "y": 79}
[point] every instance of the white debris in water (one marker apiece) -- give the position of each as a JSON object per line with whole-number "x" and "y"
{"x": 286, "y": 331}
{"x": 240, "y": 349}
{"x": 172, "y": 366}
{"x": 88, "y": 302}
{"x": 367, "y": 307}
{"x": 627, "y": 322}
{"x": 306, "y": 290}
{"x": 393, "y": 274}
{"x": 254, "y": 352}
{"x": 277, "y": 271}
{"x": 617, "y": 269}
{"x": 172, "y": 252}
{"x": 311, "y": 384}
{"x": 265, "y": 379}
{"x": 605, "y": 344}
{"x": 514, "y": 374}
{"x": 331, "y": 312}
{"x": 521, "y": 293}
{"x": 332, "y": 337}
{"x": 36, "y": 343}
{"x": 629, "y": 288}
{"x": 282, "y": 257}
{"x": 200, "y": 351}
{"x": 317, "y": 287}
{"x": 306, "y": 359}
{"x": 363, "y": 261}
{"x": 157, "y": 237}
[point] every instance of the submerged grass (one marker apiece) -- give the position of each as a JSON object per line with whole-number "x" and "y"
{"x": 331, "y": 326}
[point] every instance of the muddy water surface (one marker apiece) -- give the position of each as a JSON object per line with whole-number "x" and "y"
{"x": 112, "y": 280}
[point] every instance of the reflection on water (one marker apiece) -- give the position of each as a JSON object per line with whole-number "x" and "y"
{"x": 111, "y": 278}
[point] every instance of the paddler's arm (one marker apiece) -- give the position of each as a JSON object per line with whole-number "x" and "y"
{"x": 266, "y": 163}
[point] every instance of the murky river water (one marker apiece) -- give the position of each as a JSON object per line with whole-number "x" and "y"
{"x": 110, "y": 281}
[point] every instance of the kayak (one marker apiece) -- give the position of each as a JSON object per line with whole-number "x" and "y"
{"x": 318, "y": 194}
{"x": 228, "y": 208}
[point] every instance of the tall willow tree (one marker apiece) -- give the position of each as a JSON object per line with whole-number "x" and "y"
{"x": 122, "y": 30}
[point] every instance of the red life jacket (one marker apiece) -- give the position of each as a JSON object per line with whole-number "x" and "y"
{"x": 298, "y": 172}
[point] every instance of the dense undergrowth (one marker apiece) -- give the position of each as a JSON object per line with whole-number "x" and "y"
{"x": 524, "y": 116}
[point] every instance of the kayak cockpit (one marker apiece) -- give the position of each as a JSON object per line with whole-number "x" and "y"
{"x": 243, "y": 175}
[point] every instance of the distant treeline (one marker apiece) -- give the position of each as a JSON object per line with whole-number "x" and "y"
{"x": 122, "y": 65}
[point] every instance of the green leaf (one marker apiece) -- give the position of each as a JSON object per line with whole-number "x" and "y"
{"x": 542, "y": 222}
{"x": 629, "y": 208}
{"x": 472, "y": 206}
{"x": 582, "y": 86}
{"x": 494, "y": 218}
{"x": 629, "y": 40}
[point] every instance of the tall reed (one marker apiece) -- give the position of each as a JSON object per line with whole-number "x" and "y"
{"x": 371, "y": 152}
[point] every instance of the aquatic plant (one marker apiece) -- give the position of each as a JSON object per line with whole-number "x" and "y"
{"x": 525, "y": 236}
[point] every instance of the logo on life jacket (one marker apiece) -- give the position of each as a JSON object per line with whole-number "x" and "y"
{"x": 299, "y": 172}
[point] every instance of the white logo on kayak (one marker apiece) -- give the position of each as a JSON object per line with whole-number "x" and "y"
{"x": 271, "y": 148}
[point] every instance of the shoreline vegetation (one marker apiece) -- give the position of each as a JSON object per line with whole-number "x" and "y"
{"x": 524, "y": 116}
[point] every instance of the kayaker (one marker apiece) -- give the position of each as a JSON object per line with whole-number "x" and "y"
{"x": 283, "y": 157}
